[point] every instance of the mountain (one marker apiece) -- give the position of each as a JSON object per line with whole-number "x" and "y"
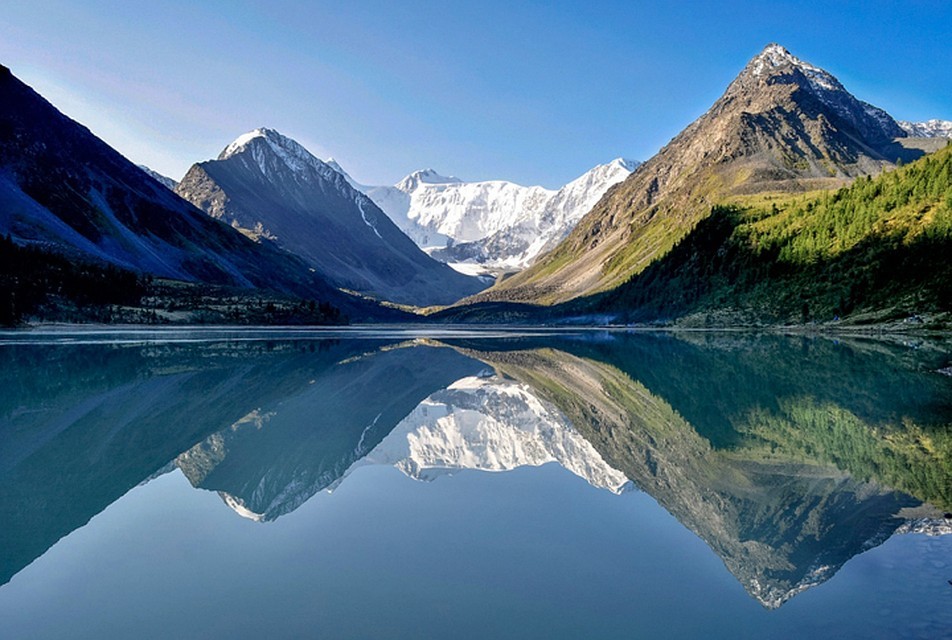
{"x": 782, "y": 125}
{"x": 271, "y": 187}
{"x": 165, "y": 181}
{"x": 928, "y": 129}
{"x": 83, "y": 424}
{"x": 495, "y": 224}
{"x": 64, "y": 189}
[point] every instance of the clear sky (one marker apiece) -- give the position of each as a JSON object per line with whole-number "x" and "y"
{"x": 536, "y": 92}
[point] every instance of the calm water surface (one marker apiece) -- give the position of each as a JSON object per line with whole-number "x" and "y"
{"x": 409, "y": 483}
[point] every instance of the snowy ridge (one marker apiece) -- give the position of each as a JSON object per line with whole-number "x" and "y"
{"x": 503, "y": 224}
{"x": 489, "y": 424}
{"x": 928, "y": 129}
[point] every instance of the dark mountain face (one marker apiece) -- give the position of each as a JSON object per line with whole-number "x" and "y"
{"x": 270, "y": 186}
{"x": 782, "y": 125}
{"x": 64, "y": 188}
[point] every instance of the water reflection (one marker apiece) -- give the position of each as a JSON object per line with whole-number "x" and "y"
{"x": 489, "y": 423}
{"x": 786, "y": 456}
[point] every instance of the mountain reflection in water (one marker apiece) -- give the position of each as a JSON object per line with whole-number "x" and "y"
{"x": 787, "y": 456}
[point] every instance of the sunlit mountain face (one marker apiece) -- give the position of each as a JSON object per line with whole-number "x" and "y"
{"x": 786, "y": 457}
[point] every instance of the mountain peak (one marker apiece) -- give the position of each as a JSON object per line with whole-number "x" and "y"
{"x": 293, "y": 154}
{"x": 776, "y": 59}
{"x": 776, "y": 66}
{"x": 430, "y": 176}
{"x": 335, "y": 165}
{"x": 425, "y": 176}
{"x": 774, "y": 56}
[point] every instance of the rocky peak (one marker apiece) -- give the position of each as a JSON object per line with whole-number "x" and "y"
{"x": 775, "y": 65}
{"x": 274, "y": 153}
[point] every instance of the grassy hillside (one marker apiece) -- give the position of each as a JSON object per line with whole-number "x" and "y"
{"x": 879, "y": 245}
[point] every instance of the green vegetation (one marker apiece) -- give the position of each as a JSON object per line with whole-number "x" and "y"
{"x": 881, "y": 245}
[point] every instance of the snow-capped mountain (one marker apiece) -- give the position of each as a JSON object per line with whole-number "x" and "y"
{"x": 272, "y": 187}
{"x": 928, "y": 129}
{"x": 165, "y": 181}
{"x": 496, "y": 223}
{"x": 489, "y": 424}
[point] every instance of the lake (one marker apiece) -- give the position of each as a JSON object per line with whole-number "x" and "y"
{"x": 408, "y": 482}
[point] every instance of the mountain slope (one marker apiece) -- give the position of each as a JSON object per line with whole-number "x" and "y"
{"x": 879, "y": 246}
{"x": 270, "y": 186}
{"x": 496, "y": 223}
{"x": 64, "y": 189}
{"x": 782, "y": 125}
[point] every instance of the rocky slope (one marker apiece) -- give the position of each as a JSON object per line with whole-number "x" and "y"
{"x": 272, "y": 188}
{"x": 782, "y": 125}
{"x": 496, "y": 224}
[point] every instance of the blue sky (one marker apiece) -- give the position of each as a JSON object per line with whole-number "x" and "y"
{"x": 536, "y": 92}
